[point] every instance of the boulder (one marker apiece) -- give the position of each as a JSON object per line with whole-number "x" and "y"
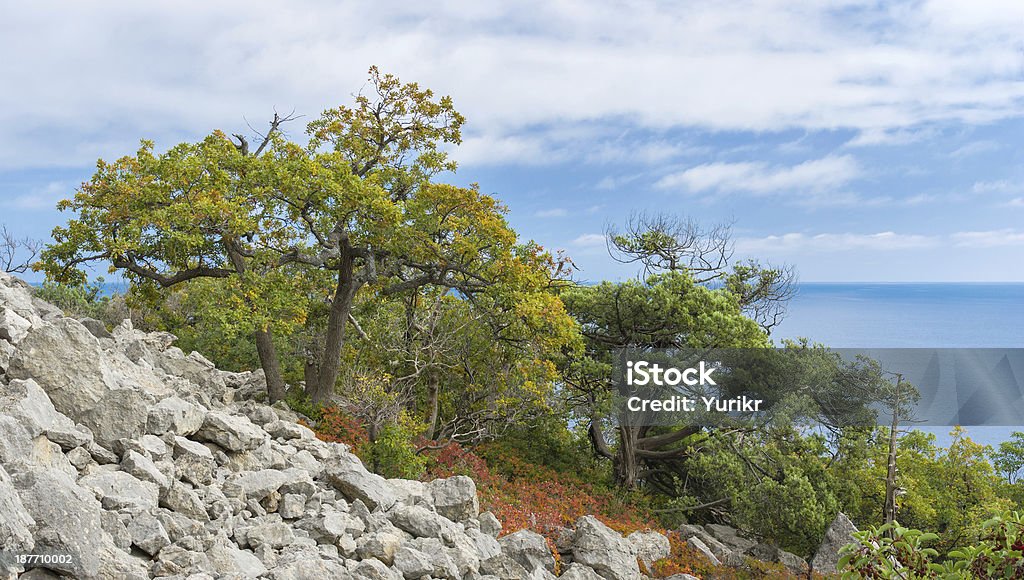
{"x": 121, "y": 414}
{"x": 193, "y": 461}
{"x": 260, "y": 484}
{"x": 175, "y": 415}
{"x": 292, "y": 506}
{"x": 382, "y": 545}
{"x": 15, "y": 524}
{"x": 118, "y": 490}
{"x": 649, "y": 547}
{"x": 144, "y": 469}
{"x": 305, "y": 569}
{"x": 411, "y": 492}
{"x": 148, "y": 534}
{"x": 13, "y": 327}
{"x": 412, "y": 563}
{"x": 355, "y": 482}
{"x": 529, "y": 549}
{"x": 273, "y": 535}
{"x": 373, "y": 569}
{"x": 503, "y": 567}
{"x": 455, "y": 498}
{"x": 232, "y": 432}
{"x": 839, "y": 533}
{"x": 182, "y": 499}
{"x": 95, "y": 327}
{"x": 6, "y": 354}
{"x": 723, "y": 553}
{"x": 26, "y": 402}
{"x": 67, "y": 362}
{"x": 601, "y": 548}
{"x": 489, "y": 524}
{"x": 67, "y": 521}
{"x": 69, "y": 365}
{"x": 420, "y": 522}
{"x": 699, "y": 545}
{"x": 288, "y": 430}
{"x": 577, "y": 571}
{"x": 336, "y": 525}
{"x": 228, "y": 561}
{"x": 730, "y": 537}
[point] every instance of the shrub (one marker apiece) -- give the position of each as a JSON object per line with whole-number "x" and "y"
{"x": 392, "y": 453}
{"x": 894, "y": 551}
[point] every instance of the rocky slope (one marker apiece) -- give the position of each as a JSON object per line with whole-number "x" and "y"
{"x": 123, "y": 457}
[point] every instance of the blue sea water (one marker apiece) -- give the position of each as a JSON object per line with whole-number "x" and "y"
{"x": 946, "y": 315}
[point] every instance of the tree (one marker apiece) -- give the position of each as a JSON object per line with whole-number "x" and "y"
{"x": 470, "y": 368}
{"x": 669, "y": 310}
{"x": 287, "y": 236}
{"x": 16, "y": 254}
{"x": 199, "y": 211}
{"x": 1009, "y": 459}
{"x": 661, "y": 242}
{"x": 692, "y": 296}
{"x": 901, "y": 399}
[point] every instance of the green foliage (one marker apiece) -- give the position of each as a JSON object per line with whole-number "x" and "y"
{"x": 895, "y": 551}
{"x": 392, "y": 452}
{"x": 666, "y": 310}
{"x": 777, "y": 482}
{"x": 284, "y": 240}
{"x": 950, "y": 491}
{"x": 86, "y": 300}
{"x": 1009, "y": 459}
{"x": 78, "y": 300}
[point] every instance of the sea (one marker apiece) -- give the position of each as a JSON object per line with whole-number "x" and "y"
{"x": 911, "y": 315}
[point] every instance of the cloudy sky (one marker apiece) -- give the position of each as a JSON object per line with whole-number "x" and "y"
{"x": 857, "y": 140}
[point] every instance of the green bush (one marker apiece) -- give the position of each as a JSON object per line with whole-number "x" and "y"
{"x": 85, "y": 301}
{"x": 894, "y": 551}
{"x": 392, "y": 453}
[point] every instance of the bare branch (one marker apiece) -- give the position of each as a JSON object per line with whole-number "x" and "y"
{"x": 17, "y": 254}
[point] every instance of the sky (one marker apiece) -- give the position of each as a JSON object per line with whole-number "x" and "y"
{"x": 855, "y": 140}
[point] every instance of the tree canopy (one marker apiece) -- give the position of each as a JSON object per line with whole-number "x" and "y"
{"x": 286, "y": 228}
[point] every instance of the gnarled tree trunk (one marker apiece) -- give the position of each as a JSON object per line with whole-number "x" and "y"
{"x": 271, "y": 365}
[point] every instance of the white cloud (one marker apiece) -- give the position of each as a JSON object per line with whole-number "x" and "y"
{"x": 998, "y": 186}
{"x": 551, "y": 213}
{"x": 499, "y": 150}
{"x": 1016, "y": 202}
{"x": 117, "y": 70}
{"x": 642, "y": 153}
{"x": 989, "y": 239}
{"x": 818, "y": 175}
{"x": 832, "y": 242}
{"x": 873, "y": 136}
{"x": 589, "y": 241}
{"x": 614, "y": 182}
{"x": 39, "y": 199}
{"x": 801, "y": 243}
{"x": 974, "y": 148}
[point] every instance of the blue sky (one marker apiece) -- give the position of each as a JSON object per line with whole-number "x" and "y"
{"x": 856, "y": 140}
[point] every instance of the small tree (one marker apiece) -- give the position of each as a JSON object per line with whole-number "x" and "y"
{"x": 1009, "y": 459}
{"x": 16, "y": 254}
